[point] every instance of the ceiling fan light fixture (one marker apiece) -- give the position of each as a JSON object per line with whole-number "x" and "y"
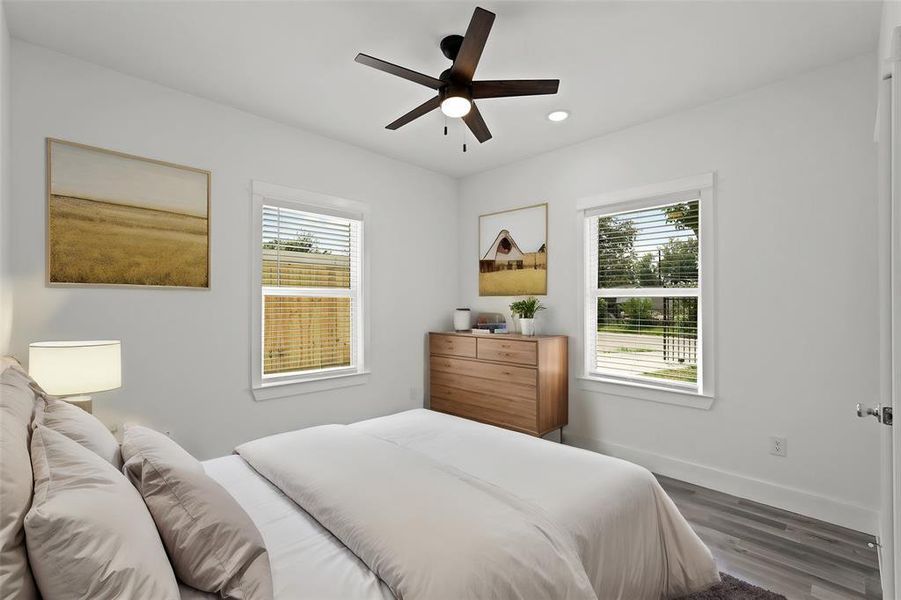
{"x": 558, "y": 115}
{"x": 456, "y": 106}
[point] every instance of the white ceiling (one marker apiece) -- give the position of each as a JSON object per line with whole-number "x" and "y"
{"x": 619, "y": 63}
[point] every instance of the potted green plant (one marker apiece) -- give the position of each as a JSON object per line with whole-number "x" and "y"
{"x": 525, "y": 310}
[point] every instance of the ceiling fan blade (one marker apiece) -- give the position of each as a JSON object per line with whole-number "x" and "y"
{"x": 424, "y": 108}
{"x": 381, "y": 65}
{"x": 514, "y": 87}
{"x": 476, "y": 124}
{"x": 467, "y": 60}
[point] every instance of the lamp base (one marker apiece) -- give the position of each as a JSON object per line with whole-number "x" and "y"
{"x": 82, "y": 402}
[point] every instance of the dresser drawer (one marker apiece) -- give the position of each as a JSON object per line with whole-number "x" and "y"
{"x": 469, "y": 368}
{"x": 525, "y": 353}
{"x": 515, "y": 406}
{"x": 496, "y": 387}
{"x": 507, "y": 412}
{"x": 453, "y": 345}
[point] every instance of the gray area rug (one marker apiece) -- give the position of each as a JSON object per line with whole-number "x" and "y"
{"x": 731, "y": 588}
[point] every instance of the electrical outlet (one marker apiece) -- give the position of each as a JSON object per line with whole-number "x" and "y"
{"x": 778, "y": 446}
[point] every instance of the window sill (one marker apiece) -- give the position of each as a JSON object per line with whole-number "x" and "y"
{"x": 649, "y": 393}
{"x": 294, "y": 387}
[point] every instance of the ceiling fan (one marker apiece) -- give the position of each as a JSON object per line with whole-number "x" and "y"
{"x": 455, "y": 86}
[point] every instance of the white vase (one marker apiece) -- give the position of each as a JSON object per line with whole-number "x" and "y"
{"x": 527, "y": 326}
{"x": 462, "y": 319}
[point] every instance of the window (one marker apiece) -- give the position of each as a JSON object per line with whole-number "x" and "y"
{"x": 309, "y": 299}
{"x": 645, "y": 285}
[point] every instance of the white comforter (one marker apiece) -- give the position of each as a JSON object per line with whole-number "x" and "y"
{"x": 633, "y": 542}
{"x": 426, "y": 529}
{"x": 630, "y": 539}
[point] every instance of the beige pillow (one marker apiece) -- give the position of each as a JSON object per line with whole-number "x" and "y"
{"x": 78, "y": 425}
{"x": 88, "y": 533}
{"x": 212, "y": 543}
{"x": 157, "y": 446}
{"x": 16, "y": 408}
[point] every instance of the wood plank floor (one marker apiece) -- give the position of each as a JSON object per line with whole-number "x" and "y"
{"x": 796, "y": 556}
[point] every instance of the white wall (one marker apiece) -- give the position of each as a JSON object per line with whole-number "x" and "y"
{"x": 187, "y": 353}
{"x": 796, "y": 266}
{"x": 6, "y": 295}
{"x": 891, "y": 18}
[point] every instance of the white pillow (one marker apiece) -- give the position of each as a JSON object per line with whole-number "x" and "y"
{"x": 78, "y": 425}
{"x": 88, "y": 533}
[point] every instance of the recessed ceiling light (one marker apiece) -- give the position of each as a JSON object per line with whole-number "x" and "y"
{"x": 558, "y": 115}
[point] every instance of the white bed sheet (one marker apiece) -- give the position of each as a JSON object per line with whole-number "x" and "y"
{"x": 307, "y": 561}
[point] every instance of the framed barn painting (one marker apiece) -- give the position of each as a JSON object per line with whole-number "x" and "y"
{"x": 513, "y": 252}
{"x": 123, "y": 220}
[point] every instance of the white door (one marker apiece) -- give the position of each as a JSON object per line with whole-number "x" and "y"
{"x": 892, "y": 442}
{"x": 888, "y": 137}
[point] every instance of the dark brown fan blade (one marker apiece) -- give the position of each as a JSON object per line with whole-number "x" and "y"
{"x": 514, "y": 87}
{"x": 381, "y": 65}
{"x": 477, "y": 124}
{"x": 467, "y": 60}
{"x": 424, "y": 108}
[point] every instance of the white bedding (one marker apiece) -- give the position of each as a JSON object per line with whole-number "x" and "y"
{"x": 429, "y": 531}
{"x": 631, "y": 540}
{"x": 306, "y": 560}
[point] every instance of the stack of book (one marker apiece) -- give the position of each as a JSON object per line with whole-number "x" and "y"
{"x": 490, "y": 323}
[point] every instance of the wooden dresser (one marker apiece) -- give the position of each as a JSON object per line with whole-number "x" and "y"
{"x": 509, "y": 380}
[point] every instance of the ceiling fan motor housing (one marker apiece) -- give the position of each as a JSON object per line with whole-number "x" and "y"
{"x": 450, "y": 46}
{"x": 455, "y": 89}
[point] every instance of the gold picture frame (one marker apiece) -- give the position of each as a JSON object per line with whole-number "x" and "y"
{"x": 120, "y": 220}
{"x": 507, "y": 268}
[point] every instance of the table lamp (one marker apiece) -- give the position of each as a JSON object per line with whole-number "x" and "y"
{"x": 73, "y": 369}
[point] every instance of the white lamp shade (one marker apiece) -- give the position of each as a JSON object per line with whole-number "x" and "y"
{"x": 69, "y": 368}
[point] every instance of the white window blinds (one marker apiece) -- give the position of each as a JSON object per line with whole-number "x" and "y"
{"x": 644, "y": 292}
{"x": 311, "y": 292}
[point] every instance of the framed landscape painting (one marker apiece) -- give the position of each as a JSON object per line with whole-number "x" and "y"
{"x": 118, "y": 219}
{"x": 513, "y": 252}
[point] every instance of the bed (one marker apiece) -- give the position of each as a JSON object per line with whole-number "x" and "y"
{"x": 416, "y": 505}
{"x": 622, "y": 528}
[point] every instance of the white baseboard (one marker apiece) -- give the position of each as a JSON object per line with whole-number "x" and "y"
{"x": 824, "y": 508}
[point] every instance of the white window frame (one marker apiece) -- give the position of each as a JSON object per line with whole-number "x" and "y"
{"x": 702, "y": 187}
{"x": 265, "y": 387}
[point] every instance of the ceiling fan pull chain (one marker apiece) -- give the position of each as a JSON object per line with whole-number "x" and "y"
{"x": 445, "y": 124}
{"x": 464, "y": 138}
